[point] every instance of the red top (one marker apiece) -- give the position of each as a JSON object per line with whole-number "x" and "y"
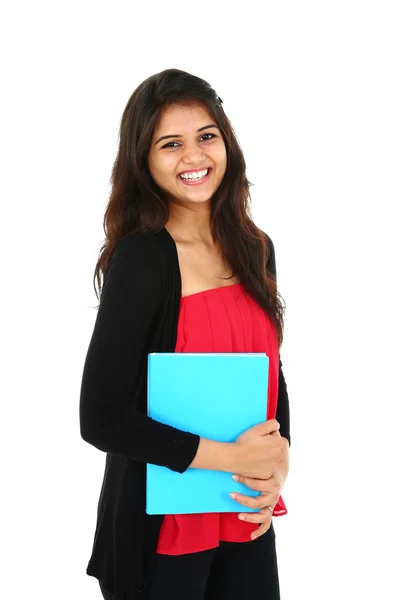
{"x": 222, "y": 319}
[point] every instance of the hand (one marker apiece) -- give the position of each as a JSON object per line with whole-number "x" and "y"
{"x": 270, "y": 491}
{"x": 259, "y": 450}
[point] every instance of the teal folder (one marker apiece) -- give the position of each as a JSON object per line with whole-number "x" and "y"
{"x": 217, "y": 396}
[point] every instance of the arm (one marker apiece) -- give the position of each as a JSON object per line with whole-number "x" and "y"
{"x": 113, "y": 381}
{"x": 282, "y": 411}
{"x": 218, "y": 456}
{"x": 113, "y": 391}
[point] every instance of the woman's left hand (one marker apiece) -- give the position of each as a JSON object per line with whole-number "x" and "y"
{"x": 270, "y": 491}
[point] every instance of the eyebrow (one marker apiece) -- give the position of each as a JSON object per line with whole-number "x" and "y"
{"x": 176, "y": 135}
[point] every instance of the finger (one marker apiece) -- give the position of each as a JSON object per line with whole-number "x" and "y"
{"x": 276, "y": 433}
{"x": 259, "y": 485}
{"x": 261, "y": 517}
{"x": 257, "y": 502}
{"x": 261, "y": 530}
{"x": 266, "y": 427}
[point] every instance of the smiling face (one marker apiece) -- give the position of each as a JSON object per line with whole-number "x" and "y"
{"x": 191, "y": 144}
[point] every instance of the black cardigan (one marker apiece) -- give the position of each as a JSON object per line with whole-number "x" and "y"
{"x": 138, "y": 314}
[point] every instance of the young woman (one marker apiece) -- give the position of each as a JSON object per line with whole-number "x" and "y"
{"x": 185, "y": 269}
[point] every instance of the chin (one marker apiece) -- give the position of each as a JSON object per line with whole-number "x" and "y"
{"x": 198, "y": 200}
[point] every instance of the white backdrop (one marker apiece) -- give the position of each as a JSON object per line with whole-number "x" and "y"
{"x": 312, "y": 89}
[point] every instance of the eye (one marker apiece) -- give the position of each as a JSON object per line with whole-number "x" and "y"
{"x": 210, "y": 134}
{"x": 169, "y": 144}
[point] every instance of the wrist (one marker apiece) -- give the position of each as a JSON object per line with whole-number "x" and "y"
{"x": 230, "y": 457}
{"x": 217, "y": 456}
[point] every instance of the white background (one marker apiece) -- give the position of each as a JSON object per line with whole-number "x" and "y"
{"x": 313, "y": 92}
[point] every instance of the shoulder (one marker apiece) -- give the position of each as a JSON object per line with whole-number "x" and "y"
{"x": 135, "y": 265}
{"x": 139, "y": 262}
{"x": 270, "y": 244}
{"x": 134, "y": 243}
{"x": 271, "y": 262}
{"x": 139, "y": 250}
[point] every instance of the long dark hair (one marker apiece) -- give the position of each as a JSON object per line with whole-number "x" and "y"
{"x": 137, "y": 205}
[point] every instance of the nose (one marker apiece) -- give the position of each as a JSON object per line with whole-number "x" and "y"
{"x": 193, "y": 154}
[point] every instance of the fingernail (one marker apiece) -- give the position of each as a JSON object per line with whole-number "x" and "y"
{"x": 235, "y": 478}
{"x": 254, "y": 536}
{"x": 233, "y": 495}
{"x": 241, "y": 517}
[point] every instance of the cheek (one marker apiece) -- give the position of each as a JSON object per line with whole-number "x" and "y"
{"x": 169, "y": 164}
{"x": 220, "y": 157}
{"x": 222, "y": 163}
{"x": 161, "y": 170}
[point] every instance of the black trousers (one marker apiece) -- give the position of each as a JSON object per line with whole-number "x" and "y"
{"x": 233, "y": 571}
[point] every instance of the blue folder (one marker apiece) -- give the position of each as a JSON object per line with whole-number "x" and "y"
{"x": 217, "y": 396}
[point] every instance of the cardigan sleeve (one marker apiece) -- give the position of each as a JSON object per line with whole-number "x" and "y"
{"x": 116, "y": 362}
{"x": 282, "y": 410}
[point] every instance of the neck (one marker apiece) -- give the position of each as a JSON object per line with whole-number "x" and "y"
{"x": 190, "y": 224}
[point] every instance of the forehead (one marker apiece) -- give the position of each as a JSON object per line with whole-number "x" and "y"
{"x": 182, "y": 119}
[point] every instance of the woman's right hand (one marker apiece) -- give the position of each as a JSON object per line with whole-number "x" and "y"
{"x": 259, "y": 450}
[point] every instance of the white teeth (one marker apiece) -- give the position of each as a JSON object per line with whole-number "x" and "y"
{"x": 198, "y": 175}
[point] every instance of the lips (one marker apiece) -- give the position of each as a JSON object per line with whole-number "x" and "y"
{"x": 193, "y": 182}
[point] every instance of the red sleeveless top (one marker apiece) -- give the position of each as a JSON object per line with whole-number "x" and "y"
{"x": 222, "y": 319}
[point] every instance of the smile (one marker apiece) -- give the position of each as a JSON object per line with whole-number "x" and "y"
{"x": 195, "y": 178}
